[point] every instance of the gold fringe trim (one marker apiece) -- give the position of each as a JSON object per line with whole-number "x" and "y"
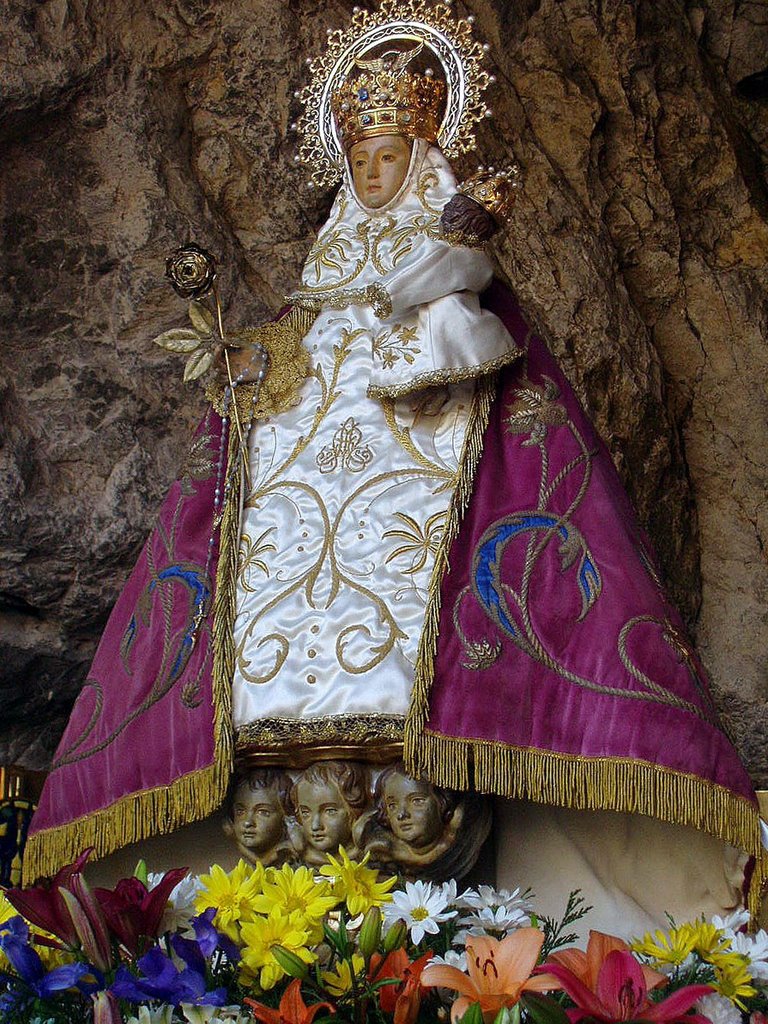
{"x": 418, "y": 711}
{"x": 597, "y": 783}
{"x": 191, "y": 797}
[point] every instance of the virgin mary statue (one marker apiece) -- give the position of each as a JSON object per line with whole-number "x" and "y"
{"x": 427, "y": 555}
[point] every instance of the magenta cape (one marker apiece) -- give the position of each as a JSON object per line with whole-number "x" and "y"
{"x": 552, "y": 665}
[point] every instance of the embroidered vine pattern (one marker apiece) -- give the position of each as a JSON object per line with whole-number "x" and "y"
{"x": 504, "y": 594}
{"x": 171, "y": 581}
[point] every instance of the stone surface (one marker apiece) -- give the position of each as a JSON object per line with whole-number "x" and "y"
{"x": 638, "y": 248}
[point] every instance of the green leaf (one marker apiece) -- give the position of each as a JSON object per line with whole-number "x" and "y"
{"x": 180, "y": 339}
{"x": 197, "y": 364}
{"x": 332, "y": 937}
{"x": 543, "y": 1009}
{"x": 473, "y": 1015}
{"x": 201, "y": 317}
{"x": 508, "y": 1015}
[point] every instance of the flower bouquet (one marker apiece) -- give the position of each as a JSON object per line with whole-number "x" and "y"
{"x": 288, "y": 946}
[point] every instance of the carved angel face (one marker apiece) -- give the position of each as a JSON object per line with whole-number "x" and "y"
{"x": 257, "y": 818}
{"x": 379, "y": 166}
{"x": 413, "y": 811}
{"x": 323, "y": 814}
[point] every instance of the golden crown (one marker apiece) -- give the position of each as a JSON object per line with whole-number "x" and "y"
{"x": 445, "y": 107}
{"x": 494, "y": 190}
{"x": 384, "y": 98}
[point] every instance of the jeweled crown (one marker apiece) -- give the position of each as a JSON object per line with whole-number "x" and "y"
{"x": 381, "y": 97}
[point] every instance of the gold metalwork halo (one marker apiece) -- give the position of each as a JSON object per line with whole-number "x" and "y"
{"x": 451, "y": 40}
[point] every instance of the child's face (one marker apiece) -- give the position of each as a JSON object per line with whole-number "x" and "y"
{"x": 324, "y": 815}
{"x": 413, "y": 811}
{"x": 257, "y": 818}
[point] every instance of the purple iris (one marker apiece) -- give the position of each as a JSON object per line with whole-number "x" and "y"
{"x": 14, "y": 942}
{"x": 161, "y": 978}
{"x": 209, "y": 939}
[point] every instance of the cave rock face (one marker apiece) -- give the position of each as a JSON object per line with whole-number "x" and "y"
{"x": 637, "y": 248}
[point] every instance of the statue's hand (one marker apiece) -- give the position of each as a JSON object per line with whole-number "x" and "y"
{"x": 242, "y": 365}
{"x": 467, "y": 221}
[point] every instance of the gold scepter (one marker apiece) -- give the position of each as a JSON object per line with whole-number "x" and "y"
{"x": 192, "y": 273}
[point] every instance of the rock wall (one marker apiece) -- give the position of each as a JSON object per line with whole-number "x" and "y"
{"x": 637, "y": 247}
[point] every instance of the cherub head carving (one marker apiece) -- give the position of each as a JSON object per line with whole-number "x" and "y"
{"x": 416, "y": 812}
{"x": 256, "y": 820}
{"x": 328, "y": 798}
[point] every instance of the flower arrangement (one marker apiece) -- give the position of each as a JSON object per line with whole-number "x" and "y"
{"x": 288, "y": 946}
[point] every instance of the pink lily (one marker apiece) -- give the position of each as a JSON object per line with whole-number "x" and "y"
{"x": 134, "y": 913}
{"x": 586, "y": 966}
{"x": 619, "y": 993}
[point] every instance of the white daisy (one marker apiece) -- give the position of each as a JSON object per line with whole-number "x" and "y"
{"x": 452, "y": 958}
{"x": 487, "y": 896}
{"x": 501, "y": 919}
{"x": 422, "y": 907}
{"x": 719, "y": 1009}
{"x": 755, "y": 949}
{"x": 731, "y": 923}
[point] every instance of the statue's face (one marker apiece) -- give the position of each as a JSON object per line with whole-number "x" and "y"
{"x": 324, "y": 815}
{"x": 413, "y": 811}
{"x": 257, "y": 818}
{"x": 379, "y": 167}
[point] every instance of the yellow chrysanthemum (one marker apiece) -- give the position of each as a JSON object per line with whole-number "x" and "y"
{"x": 296, "y": 891}
{"x": 670, "y": 947}
{"x": 356, "y": 884}
{"x": 232, "y": 895}
{"x": 340, "y": 981}
{"x": 261, "y": 935}
{"x": 734, "y": 980}
{"x": 6, "y": 913}
{"x": 708, "y": 941}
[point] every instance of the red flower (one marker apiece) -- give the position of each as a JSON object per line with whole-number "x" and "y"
{"x": 619, "y": 992}
{"x": 133, "y": 913}
{"x": 43, "y": 904}
{"x": 586, "y": 966}
{"x": 292, "y": 1009}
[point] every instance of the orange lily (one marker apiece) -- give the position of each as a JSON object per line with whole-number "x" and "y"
{"x": 292, "y": 1009}
{"x": 586, "y": 966}
{"x": 499, "y": 973}
{"x": 403, "y": 1000}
